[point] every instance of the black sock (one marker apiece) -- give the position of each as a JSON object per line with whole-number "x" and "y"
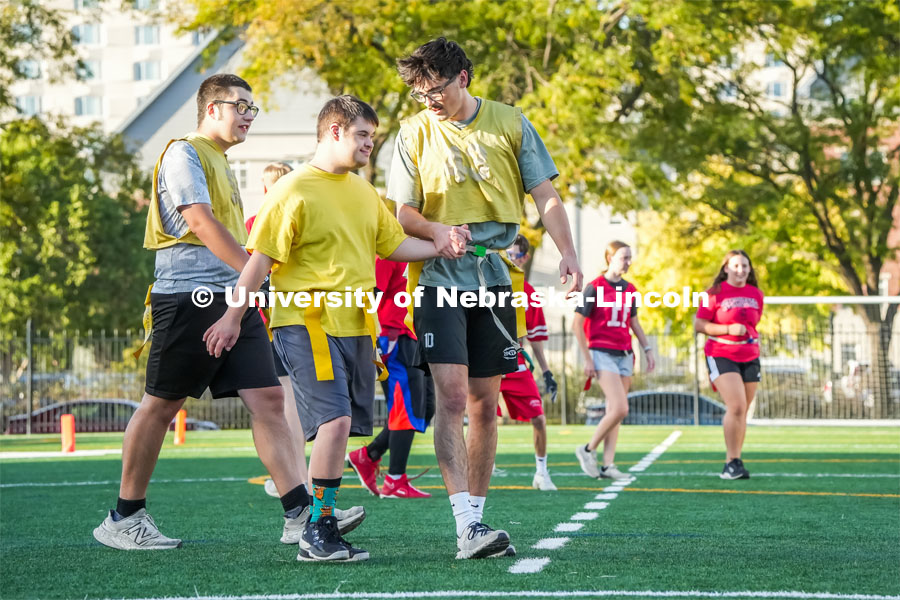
{"x": 295, "y": 501}
{"x": 379, "y": 445}
{"x": 586, "y": 449}
{"x": 401, "y": 443}
{"x": 126, "y": 508}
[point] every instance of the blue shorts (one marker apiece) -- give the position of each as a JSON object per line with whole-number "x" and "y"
{"x": 620, "y": 364}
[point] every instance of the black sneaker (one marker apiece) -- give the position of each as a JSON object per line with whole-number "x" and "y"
{"x": 322, "y": 541}
{"x": 734, "y": 469}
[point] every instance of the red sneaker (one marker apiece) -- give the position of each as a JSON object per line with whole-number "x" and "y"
{"x": 366, "y": 468}
{"x": 401, "y": 488}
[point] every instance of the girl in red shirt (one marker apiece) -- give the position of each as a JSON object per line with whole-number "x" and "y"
{"x": 732, "y": 349}
{"x": 604, "y": 337}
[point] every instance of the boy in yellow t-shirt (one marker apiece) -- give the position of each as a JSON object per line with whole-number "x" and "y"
{"x": 319, "y": 231}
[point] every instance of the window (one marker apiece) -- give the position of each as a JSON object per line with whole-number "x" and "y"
{"x": 82, "y": 4}
{"x": 146, "y": 35}
{"x": 771, "y": 61}
{"x": 147, "y": 70}
{"x": 146, "y": 4}
{"x": 88, "y": 106}
{"x": 29, "y": 105}
{"x": 775, "y": 89}
{"x": 31, "y": 69}
{"x": 87, "y": 33}
{"x": 240, "y": 169}
{"x": 90, "y": 70}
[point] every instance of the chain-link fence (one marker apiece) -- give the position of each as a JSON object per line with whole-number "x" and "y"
{"x": 822, "y": 370}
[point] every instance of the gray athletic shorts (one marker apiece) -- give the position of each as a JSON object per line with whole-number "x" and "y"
{"x": 350, "y": 394}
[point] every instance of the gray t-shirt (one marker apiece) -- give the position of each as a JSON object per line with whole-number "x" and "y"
{"x": 535, "y": 166}
{"x": 183, "y": 267}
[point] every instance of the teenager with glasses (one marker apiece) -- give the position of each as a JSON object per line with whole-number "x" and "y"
{"x": 468, "y": 162}
{"x": 196, "y": 227}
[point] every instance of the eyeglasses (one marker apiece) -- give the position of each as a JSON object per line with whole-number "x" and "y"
{"x": 433, "y": 95}
{"x": 241, "y": 107}
{"x": 515, "y": 255}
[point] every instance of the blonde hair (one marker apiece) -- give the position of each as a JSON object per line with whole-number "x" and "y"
{"x": 611, "y": 249}
{"x": 275, "y": 171}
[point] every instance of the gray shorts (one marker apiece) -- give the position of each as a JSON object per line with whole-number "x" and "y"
{"x": 622, "y": 365}
{"x": 350, "y": 394}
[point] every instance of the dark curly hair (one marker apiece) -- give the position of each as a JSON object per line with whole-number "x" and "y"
{"x": 438, "y": 59}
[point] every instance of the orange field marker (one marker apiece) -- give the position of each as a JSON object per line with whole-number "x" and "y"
{"x": 67, "y": 430}
{"x": 180, "y": 426}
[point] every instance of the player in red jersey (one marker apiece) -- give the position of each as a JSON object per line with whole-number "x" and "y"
{"x": 408, "y": 390}
{"x": 519, "y": 390}
{"x": 732, "y": 349}
{"x": 604, "y": 337}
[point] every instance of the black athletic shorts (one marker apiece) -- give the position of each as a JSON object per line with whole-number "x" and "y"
{"x": 179, "y": 364}
{"x": 466, "y": 336}
{"x": 749, "y": 371}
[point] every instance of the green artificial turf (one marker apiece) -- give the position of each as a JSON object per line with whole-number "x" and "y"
{"x": 813, "y": 522}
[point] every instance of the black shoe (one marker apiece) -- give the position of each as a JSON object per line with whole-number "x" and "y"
{"x": 734, "y": 469}
{"x": 322, "y": 541}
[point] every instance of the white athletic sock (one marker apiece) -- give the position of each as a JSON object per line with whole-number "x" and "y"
{"x": 462, "y": 511}
{"x": 541, "y": 463}
{"x": 477, "y": 504}
{"x": 394, "y": 477}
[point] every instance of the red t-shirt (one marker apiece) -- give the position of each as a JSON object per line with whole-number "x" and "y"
{"x": 534, "y": 319}
{"x": 608, "y": 327}
{"x": 742, "y": 305}
{"x": 390, "y": 280}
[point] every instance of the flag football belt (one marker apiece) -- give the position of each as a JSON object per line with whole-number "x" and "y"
{"x": 481, "y": 253}
{"x": 734, "y": 342}
{"x": 312, "y": 320}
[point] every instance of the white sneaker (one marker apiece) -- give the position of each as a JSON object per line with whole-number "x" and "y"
{"x": 348, "y": 520}
{"x": 270, "y": 488}
{"x": 480, "y": 541}
{"x": 293, "y": 528}
{"x": 611, "y": 472}
{"x": 137, "y": 532}
{"x": 542, "y": 482}
{"x": 588, "y": 461}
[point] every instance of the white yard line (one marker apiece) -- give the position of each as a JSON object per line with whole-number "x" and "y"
{"x": 763, "y": 594}
{"x": 610, "y": 492}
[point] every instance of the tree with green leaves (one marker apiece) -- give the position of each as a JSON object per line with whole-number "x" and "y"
{"x": 352, "y": 46}
{"x": 72, "y": 214}
{"x": 677, "y": 119}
